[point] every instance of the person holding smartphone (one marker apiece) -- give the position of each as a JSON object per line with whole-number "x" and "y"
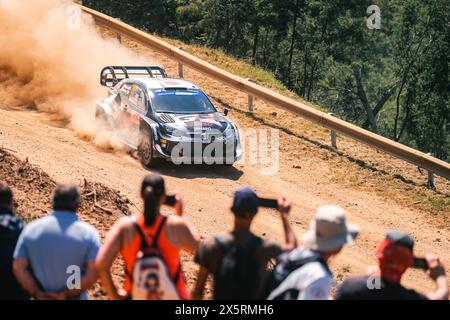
{"x": 238, "y": 259}
{"x": 395, "y": 256}
{"x": 164, "y": 235}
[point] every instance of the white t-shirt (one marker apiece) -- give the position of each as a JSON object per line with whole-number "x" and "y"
{"x": 312, "y": 281}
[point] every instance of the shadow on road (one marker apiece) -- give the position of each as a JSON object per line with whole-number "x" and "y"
{"x": 191, "y": 171}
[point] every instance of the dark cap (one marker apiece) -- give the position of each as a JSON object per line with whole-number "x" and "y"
{"x": 401, "y": 238}
{"x": 245, "y": 202}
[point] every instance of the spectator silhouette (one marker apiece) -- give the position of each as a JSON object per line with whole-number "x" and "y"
{"x": 130, "y": 236}
{"x": 10, "y": 228}
{"x": 60, "y": 250}
{"x": 395, "y": 256}
{"x": 311, "y": 279}
{"x": 238, "y": 260}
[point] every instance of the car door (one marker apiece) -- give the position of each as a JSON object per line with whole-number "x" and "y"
{"x": 121, "y": 101}
{"x": 138, "y": 107}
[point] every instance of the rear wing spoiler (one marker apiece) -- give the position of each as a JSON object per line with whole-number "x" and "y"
{"x": 112, "y": 75}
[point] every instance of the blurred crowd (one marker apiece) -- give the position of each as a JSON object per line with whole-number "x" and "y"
{"x": 61, "y": 257}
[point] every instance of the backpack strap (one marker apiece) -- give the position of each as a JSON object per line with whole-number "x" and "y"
{"x": 296, "y": 264}
{"x": 137, "y": 227}
{"x": 223, "y": 243}
{"x": 177, "y": 275}
{"x": 144, "y": 244}
{"x": 275, "y": 279}
{"x": 158, "y": 232}
{"x": 325, "y": 265}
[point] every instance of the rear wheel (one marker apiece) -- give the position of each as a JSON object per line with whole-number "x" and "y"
{"x": 145, "y": 149}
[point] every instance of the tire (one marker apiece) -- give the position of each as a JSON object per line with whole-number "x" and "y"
{"x": 145, "y": 148}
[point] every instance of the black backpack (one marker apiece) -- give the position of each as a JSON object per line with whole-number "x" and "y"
{"x": 285, "y": 265}
{"x": 237, "y": 275}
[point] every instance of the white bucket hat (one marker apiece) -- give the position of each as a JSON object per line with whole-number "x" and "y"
{"x": 328, "y": 230}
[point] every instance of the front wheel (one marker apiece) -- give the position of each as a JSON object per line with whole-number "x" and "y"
{"x": 145, "y": 149}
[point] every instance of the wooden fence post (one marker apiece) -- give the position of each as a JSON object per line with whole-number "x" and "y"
{"x": 430, "y": 182}
{"x": 333, "y": 135}
{"x": 250, "y": 103}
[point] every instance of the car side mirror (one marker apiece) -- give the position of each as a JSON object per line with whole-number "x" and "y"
{"x": 226, "y": 111}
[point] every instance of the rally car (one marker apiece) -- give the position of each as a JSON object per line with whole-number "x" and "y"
{"x": 166, "y": 118}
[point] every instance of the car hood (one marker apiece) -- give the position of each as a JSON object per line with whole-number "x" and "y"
{"x": 187, "y": 122}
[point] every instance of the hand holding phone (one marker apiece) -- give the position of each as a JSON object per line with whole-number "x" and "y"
{"x": 170, "y": 201}
{"x": 435, "y": 267}
{"x": 284, "y": 206}
{"x": 420, "y": 263}
{"x": 268, "y": 203}
{"x": 176, "y": 202}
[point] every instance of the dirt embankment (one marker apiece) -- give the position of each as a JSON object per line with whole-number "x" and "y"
{"x": 101, "y": 206}
{"x": 32, "y": 187}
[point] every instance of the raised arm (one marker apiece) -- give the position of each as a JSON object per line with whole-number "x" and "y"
{"x": 183, "y": 234}
{"x": 202, "y": 276}
{"x": 284, "y": 207}
{"x": 106, "y": 257}
{"x": 437, "y": 273}
{"x": 178, "y": 208}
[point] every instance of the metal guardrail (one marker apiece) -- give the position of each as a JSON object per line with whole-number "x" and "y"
{"x": 398, "y": 150}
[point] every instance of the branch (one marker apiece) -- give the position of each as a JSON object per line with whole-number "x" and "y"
{"x": 363, "y": 97}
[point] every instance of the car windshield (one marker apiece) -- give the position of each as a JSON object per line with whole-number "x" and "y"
{"x": 181, "y": 101}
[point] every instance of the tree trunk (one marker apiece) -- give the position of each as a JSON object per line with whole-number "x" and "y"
{"x": 265, "y": 49}
{"x": 305, "y": 72}
{"x": 313, "y": 68}
{"x": 405, "y": 122}
{"x": 255, "y": 44}
{"x": 311, "y": 79}
{"x": 363, "y": 97}
{"x": 397, "y": 113}
{"x": 294, "y": 35}
{"x": 380, "y": 104}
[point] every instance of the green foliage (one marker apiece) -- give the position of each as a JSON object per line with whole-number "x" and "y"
{"x": 394, "y": 81}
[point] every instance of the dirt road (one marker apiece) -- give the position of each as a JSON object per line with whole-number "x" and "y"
{"x": 207, "y": 190}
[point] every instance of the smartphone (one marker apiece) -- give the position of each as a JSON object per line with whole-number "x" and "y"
{"x": 420, "y": 263}
{"x": 268, "y": 203}
{"x": 170, "y": 201}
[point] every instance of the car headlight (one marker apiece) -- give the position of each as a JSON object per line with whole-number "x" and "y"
{"x": 169, "y": 129}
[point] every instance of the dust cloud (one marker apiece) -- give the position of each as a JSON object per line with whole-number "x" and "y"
{"x": 50, "y": 60}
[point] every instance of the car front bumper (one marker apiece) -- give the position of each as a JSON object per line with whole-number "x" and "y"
{"x": 198, "y": 151}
